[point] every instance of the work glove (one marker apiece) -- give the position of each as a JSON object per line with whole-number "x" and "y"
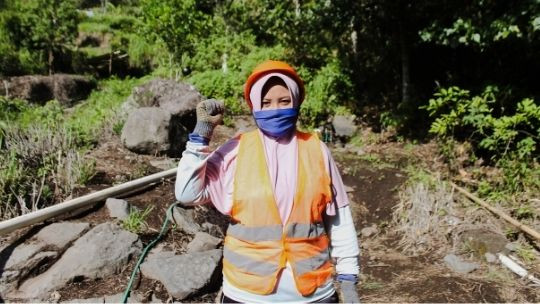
{"x": 209, "y": 115}
{"x": 349, "y": 293}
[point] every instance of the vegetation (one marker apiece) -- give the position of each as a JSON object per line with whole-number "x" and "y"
{"x": 136, "y": 220}
{"x": 42, "y": 148}
{"x": 461, "y": 72}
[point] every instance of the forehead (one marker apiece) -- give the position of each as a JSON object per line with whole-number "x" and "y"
{"x": 275, "y": 85}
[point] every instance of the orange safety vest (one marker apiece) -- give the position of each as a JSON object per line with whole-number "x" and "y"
{"x": 258, "y": 245}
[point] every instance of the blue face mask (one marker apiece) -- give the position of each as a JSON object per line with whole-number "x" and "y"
{"x": 276, "y": 123}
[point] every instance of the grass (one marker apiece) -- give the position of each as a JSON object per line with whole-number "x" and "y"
{"x": 136, "y": 221}
{"x": 42, "y": 148}
{"x": 93, "y": 27}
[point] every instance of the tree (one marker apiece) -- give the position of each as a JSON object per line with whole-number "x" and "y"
{"x": 50, "y": 26}
{"x": 178, "y": 23}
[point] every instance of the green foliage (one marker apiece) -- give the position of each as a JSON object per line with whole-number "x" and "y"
{"x": 88, "y": 119}
{"x": 49, "y": 26}
{"x": 42, "y": 148}
{"x": 136, "y": 221}
{"x": 329, "y": 88}
{"x": 483, "y": 23}
{"x": 457, "y": 114}
{"x": 178, "y": 23}
{"x": 228, "y": 84}
{"x": 510, "y": 139}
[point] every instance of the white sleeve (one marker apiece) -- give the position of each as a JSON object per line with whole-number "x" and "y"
{"x": 190, "y": 188}
{"x": 343, "y": 241}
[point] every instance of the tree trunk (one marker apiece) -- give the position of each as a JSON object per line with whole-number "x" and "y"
{"x": 51, "y": 60}
{"x": 405, "y": 68}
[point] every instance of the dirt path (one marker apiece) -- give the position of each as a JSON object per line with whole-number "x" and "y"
{"x": 390, "y": 276}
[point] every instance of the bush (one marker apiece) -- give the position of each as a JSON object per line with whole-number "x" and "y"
{"x": 509, "y": 139}
{"x": 42, "y": 148}
{"x": 39, "y": 165}
{"x": 328, "y": 91}
{"x": 229, "y": 85}
{"x": 459, "y": 115}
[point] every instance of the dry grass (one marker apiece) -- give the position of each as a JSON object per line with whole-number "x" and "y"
{"x": 432, "y": 218}
{"x": 424, "y": 217}
{"x": 39, "y": 165}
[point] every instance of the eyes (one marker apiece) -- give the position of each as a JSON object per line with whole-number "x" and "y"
{"x": 281, "y": 103}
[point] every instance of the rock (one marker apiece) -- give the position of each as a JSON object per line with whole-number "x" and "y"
{"x": 512, "y": 247}
{"x": 21, "y": 254}
{"x": 348, "y": 189}
{"x": 118, "y": 208}
{"x": 185, "y": 274}
{"x": 102, "y": 251}
{"x": 344, "y": 125}
{"x": 490, "y": 258}
{"x": 147, "y": 131}
{"x": 369, "y": 231}
{"x": 184, "y": 219}
{"x": 42, "y": 250}
{"x": 482, "y": 241}
{"x": 61, "y": 234}
{"x": 67, "y": 89}
{"x": 456, "y": 264}
{"x": 177, "y": 99}
{"x": 203, "y": 242}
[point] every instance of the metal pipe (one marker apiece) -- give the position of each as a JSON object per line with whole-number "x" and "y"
{"x": 10, "y": 225}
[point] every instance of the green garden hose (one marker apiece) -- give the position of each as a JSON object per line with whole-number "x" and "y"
{"x": 145, "y": 251}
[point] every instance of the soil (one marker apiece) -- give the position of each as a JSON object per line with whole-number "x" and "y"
{"x": 387, "y": 274}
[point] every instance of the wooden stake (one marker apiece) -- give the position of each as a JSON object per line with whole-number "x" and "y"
{"x": 498, "y": 212}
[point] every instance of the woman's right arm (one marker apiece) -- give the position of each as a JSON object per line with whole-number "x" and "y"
{"x": 190, "y": 187}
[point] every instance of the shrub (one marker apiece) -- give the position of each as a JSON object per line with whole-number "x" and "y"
{"x": 328, "y": 90}
{"x": 509, "y": 139}
{"x": 459, "y": 115}
{"x": 39, "y": 165}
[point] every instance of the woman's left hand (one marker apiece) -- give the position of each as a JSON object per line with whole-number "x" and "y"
{"x": 349, "y": 293}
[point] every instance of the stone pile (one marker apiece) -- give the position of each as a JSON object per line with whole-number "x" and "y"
{"x": 35, "y": 269}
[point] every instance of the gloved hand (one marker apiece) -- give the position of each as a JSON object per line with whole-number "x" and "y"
{"x": 209, "y": 115}
{"x": 348, "y": 293}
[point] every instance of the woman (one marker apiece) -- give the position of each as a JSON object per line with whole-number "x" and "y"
{"x": 289, "y": 211}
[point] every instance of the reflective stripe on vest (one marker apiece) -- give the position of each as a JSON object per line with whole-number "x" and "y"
{"x": 258, "y": 245}
{"x": 274, "y": 233}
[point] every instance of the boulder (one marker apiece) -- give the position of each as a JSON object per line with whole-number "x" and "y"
{"x": 40, "y": 251}
{"x": 67, "y": 89}
{"x": 102, "y": 251}
{"x": 61, "y": 234}
{"x": 203, "y": 242}
{"x": 184, "y": 220}
{"x": 146, "y": 131}
{"x": 176, "y": 98}
{"x": 344, "y": 126}
{"x": 456, "y": 264}
{"x": 118, "y": 208}
{"x": 482, "y": 241}
{"x": 185, "y": 274}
